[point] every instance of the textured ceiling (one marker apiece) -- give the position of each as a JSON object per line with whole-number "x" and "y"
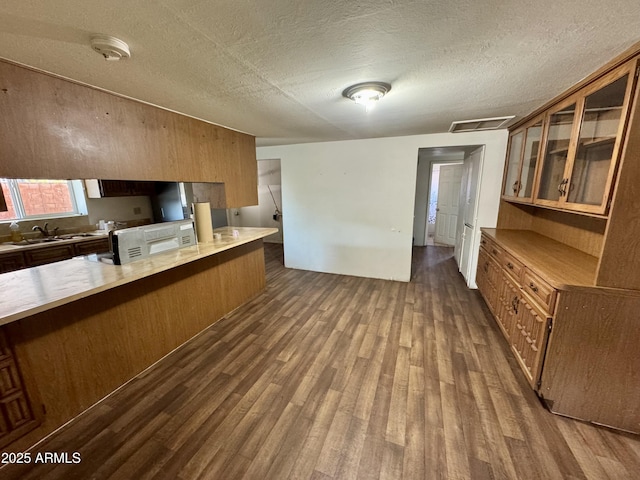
{"x": 277, "y": 68}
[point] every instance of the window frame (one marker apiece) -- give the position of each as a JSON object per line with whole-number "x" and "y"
{"x": 18, "y": 204}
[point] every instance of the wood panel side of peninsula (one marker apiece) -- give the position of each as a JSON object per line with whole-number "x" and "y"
{"x": 77, "y": 353}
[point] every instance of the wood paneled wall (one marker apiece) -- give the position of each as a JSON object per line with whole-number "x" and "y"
{"x": 54, "y": 128}
{"x": 78, "y": 353}
{"x": 592, "y": 366}
{"x": 623, "y": 229}
{"x": 581, "y": 232}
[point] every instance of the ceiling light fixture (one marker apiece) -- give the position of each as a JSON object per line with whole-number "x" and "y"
{"x": 367, "y": 93}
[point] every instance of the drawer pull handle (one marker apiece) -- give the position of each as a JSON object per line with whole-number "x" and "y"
{"x": 495, "y": 252}
{"x": 533, "y": 287}
{"x": 510, "y": 266}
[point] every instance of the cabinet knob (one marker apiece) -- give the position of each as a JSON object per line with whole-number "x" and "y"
{"x": 533, "y": 287}
{"x": 510, "y": 266}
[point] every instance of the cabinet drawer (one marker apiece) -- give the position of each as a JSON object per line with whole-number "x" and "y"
{"x": 92, "y": 246}
{"x": 492, "y": 249}
{"x": 41, "y": 256}
{"x": 512, "y": 265}
{"x": 539, "y": 290}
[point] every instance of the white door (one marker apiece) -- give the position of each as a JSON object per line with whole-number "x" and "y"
{"x": 448, "y": 204}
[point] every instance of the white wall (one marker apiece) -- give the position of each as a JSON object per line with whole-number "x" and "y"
{"x": 119, "y": 208}
{"x": 349, "y": 205}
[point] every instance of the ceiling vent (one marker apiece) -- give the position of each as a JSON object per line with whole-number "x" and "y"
{"x": 494, "y": 123}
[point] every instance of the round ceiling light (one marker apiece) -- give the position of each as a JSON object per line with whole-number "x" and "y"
{"x": 367, "y": 93}
{"x": 110, "y": 48}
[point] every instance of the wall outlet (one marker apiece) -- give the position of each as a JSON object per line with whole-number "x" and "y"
{"x": 137, "y": 210}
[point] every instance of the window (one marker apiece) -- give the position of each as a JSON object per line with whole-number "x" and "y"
{"x": 32, "y": 198}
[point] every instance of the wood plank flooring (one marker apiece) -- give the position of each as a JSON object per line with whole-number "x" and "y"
{"x": 334, "y": 377}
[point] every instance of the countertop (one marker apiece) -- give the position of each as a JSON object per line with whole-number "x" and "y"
{"x": 73, "y": 238}
{"x": 33, "y": 290}
{"x": 560, "y": 265}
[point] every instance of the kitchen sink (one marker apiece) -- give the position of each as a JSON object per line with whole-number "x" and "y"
{"x": 34, "y": 241}
{"x": 76, "y": 235}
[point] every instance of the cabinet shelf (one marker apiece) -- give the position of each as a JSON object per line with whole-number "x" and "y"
{"x": 559, "y": 151}
{"x": 598, "y": 142}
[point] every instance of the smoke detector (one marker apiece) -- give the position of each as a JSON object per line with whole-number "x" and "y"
{"x": 110, "y": 48}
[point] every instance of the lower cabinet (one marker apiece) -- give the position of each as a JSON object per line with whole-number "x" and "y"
{"x": 11, "y": 261}
{"x": 17, "y": 415}
{"x": 529, "y": 339}
{"x": 50, "y": 253}
{"x": 99, "y": 245}
{"x": 524, "y": 324}
{"x": 44, "y": 255}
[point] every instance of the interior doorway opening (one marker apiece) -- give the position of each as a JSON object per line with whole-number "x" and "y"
{"x": 446, "y": 203}
{"x": 269, "y": 211}
{"x": 442, "y": 217}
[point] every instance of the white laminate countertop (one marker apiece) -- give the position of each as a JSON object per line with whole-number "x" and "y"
{"x": 33, "y": 290}
{"x": 65, "y": 240}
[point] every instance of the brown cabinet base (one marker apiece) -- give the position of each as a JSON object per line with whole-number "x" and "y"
{"x": 95, "y": 344}
{"x": 17, "y": 413}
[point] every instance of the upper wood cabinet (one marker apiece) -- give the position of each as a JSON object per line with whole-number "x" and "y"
{"x": 522, "y": 160}
{"x": 582, "y": 143}
{"x": 118, "y": 188}
{"x": 3, "y": 203}
{"x": 51, "y": 127}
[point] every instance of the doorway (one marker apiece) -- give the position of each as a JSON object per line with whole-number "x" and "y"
{"x": 446, "y": 190}
{"x": 269, "y": 211}
{"x": 430, "y": 161}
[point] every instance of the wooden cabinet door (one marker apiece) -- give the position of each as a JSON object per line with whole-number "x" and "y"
{"x": 599, "y": 139}
{"x": 584, "y": 136}
{"x": 16, "y": 413}
{"x": 559, "y": 147}
{"x": 92, "y": 246}
{"x": 522, "y": 161}
{"x": 529, "y": 339}
{"x": 11, "y": 261}
{"x": 42, "y": 256}
{"x": 487, "y": 279}
{"x": 509, "y": 297}
{"x": 511, "y": 183}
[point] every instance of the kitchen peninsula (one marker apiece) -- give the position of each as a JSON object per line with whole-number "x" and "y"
{"x": 76, "y": 330}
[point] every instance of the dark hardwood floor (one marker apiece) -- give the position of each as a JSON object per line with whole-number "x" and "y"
{"x": 334, "y": 377}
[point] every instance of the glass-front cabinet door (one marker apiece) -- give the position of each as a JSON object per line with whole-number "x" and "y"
{"x": 530, "y": 160}
{"x": 583, "y": 142}
{"x": 599, "y": 142}
{"x": 560, "y": 127}
{"x": 512, "y": 175}
{"x": 520, "y": 174}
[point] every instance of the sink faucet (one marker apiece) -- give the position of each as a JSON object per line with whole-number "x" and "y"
{"x": 45, "y": 230}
